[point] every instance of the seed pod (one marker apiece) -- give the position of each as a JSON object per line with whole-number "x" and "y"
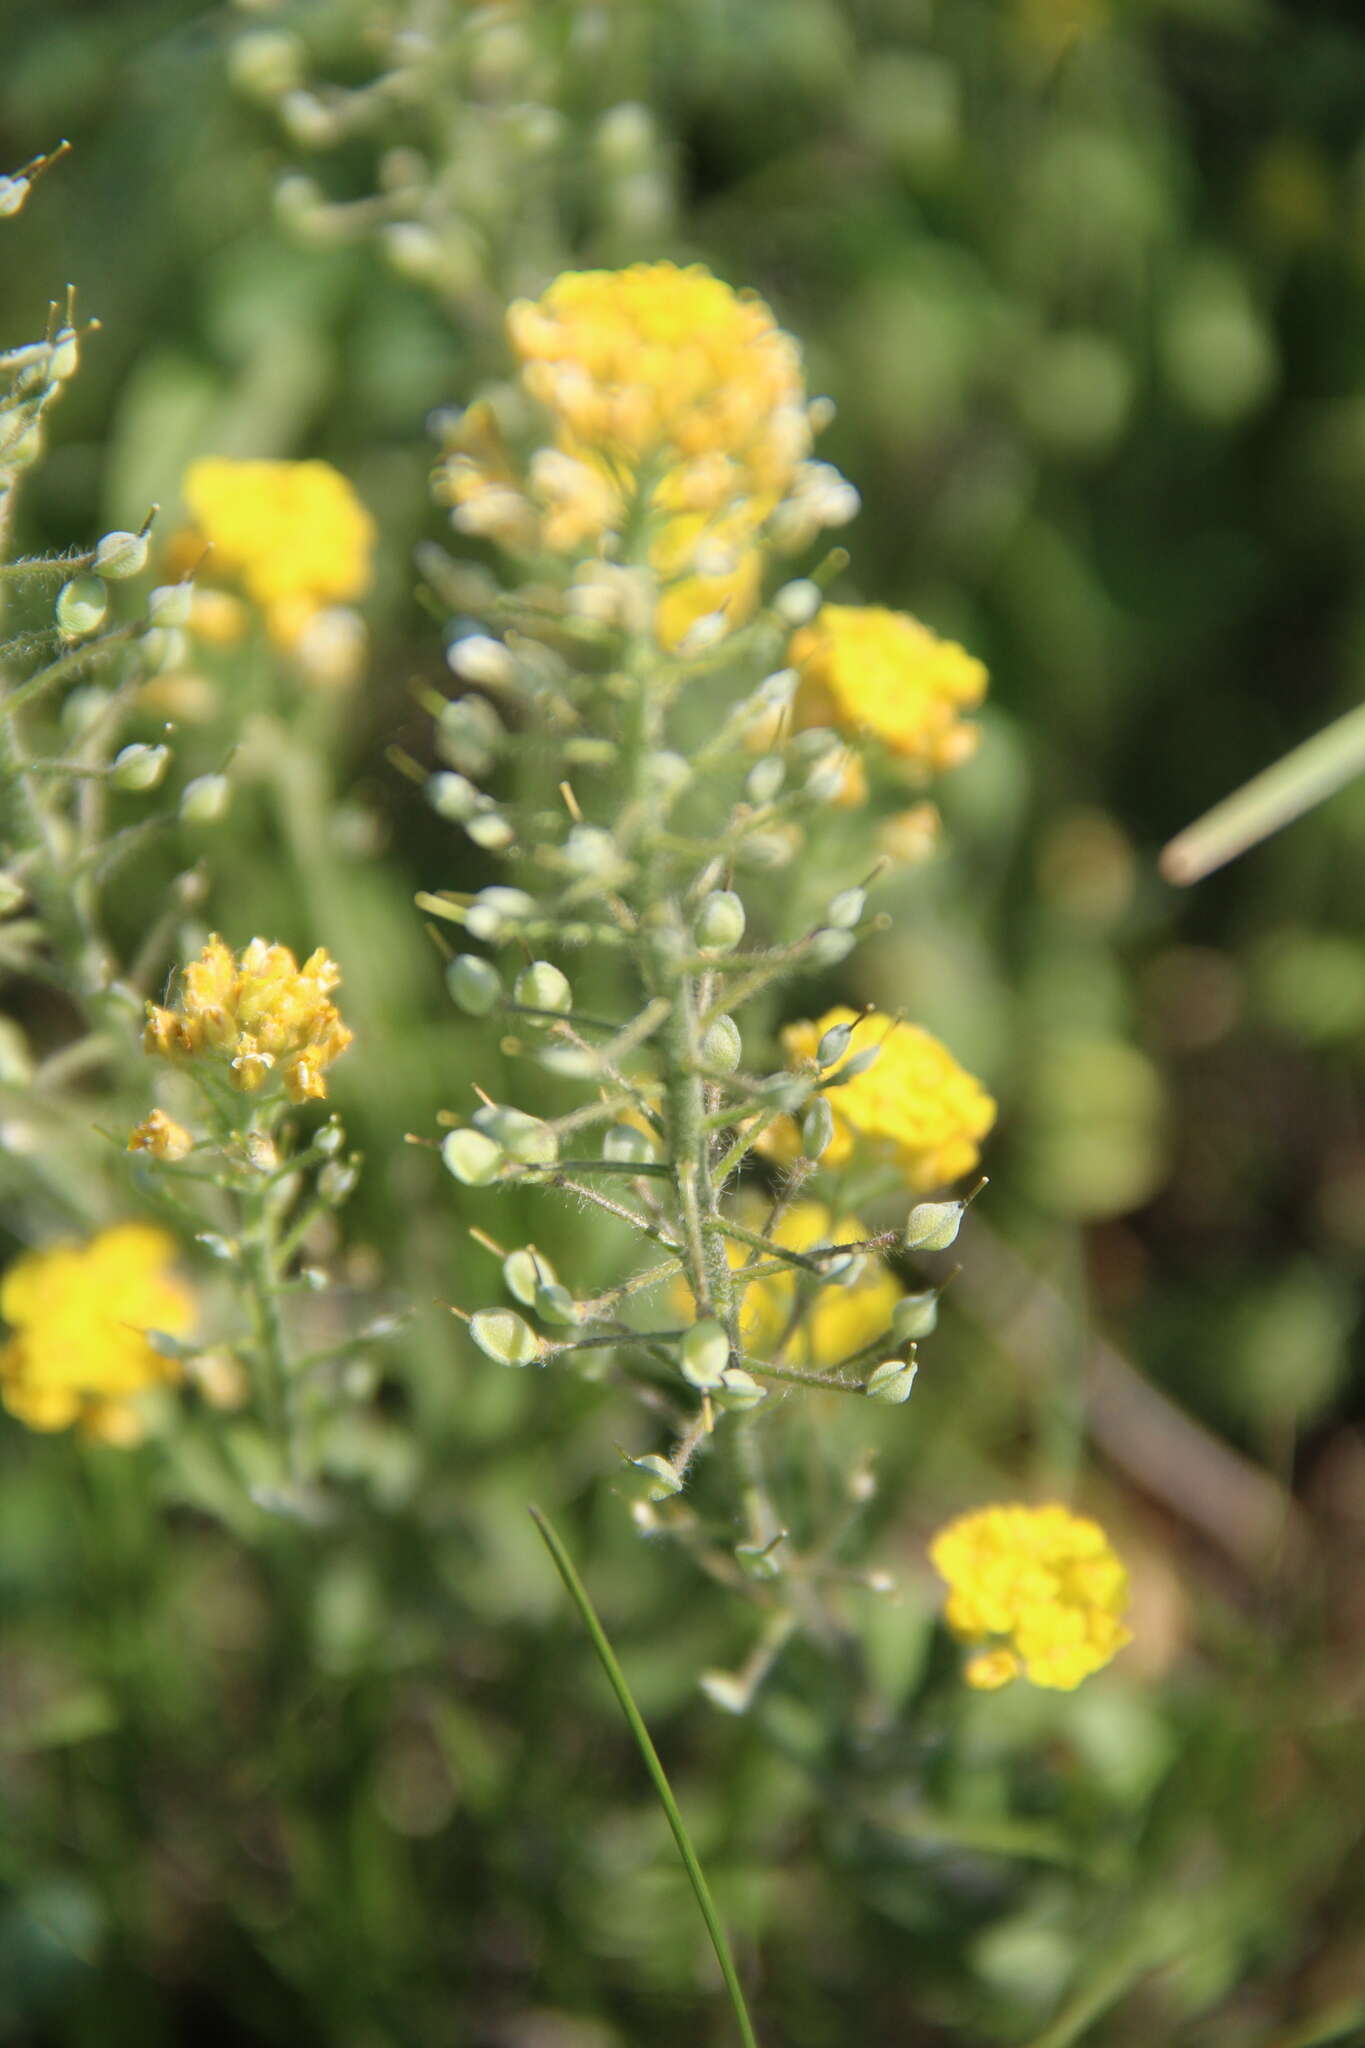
{"x": 721, "y": 1046}
{"x": 739, "y": 1390}
{"x": 139, "y": 768}
{"x": 846, "y": 909}
{"x": 817, "y": 1128}
{"x": 891, "y": 1381}
{"x": 205, "y": 800}
{"x": 527, "y": 1139}
{"x": 473, "y": 1157}
{"x": 504, "y": 1336}
{"x": 120, "y": 555}
{"x": 170, "y": 604}
{"x": 933, "y": 1226}
{"x": 720, "y": 922}
{"x": 704, "y": 1354}
{"x": 915, "y": 1315}
{"x": 474, "y": 984}
{"x": 541, "y": 986}
{"x": 525, "y": 1272}
{"x": 81, "y": 607}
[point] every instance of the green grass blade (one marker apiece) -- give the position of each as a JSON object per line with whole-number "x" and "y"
{"x": 616, "y": 1677}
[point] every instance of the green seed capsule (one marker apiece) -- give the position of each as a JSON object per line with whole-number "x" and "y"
{"x": 474, "y": 984}
{"x": 504, "y": 1336}
{"x": 473, "y": 1157}
{"x": 891, "y": 1382}
{"x": 81, "y": 606}
{"x": 720, "y": 922}
{"x": 933, "y": 1226}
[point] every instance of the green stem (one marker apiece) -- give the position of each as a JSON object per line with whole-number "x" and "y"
{"x": 260, "y": 1265}
{"x": 578, "y": 1593}
{"x": 1279, "y": 794}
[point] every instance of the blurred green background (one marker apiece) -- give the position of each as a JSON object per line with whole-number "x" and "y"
{"x": 1087, "y": 283}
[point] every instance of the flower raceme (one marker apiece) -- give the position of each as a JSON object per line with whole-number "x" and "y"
{"x": 678, "y": 434}
{"x": 293, "y": 535}
{"x": 1041, "y": 1586}
{"x": 260, "y": 1014}
{"x": 865, "y": 669}
{"x": 80, "y": 1314}
{"x": 913, "y": 1101}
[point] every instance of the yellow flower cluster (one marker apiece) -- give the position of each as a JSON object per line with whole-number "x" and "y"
{"x": 1044, "y": 1581}
{"x": 263, "y": 1015}
{"x": 294, "y": 535}
{"x": 80, "y": 1314}
{"x": 677, "y": 412}
{"x": 867, "y": 669}
{"x": 914, "y": 1099}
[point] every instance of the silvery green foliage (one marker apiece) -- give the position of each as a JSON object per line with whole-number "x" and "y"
{"x": 75, "y": 643}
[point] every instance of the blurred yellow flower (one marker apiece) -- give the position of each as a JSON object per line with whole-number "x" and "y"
{"x": 262, "y": 1015}
{"x": 843, "y": 1315}
{"x": 1043, "y": 1580}
{"x": 678, "y": 425}
{"x": 866, "y": 669}
{"x": 80, "y": 1315}
{"x": 294, "y": 535}
{"x": 914, "y": 1099}
{"x": 670, "y": 377}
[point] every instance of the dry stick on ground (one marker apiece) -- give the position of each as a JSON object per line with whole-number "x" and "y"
{"x": 1241, "y": 1509}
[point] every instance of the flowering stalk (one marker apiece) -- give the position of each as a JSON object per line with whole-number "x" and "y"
{"x": 670, "y": 737}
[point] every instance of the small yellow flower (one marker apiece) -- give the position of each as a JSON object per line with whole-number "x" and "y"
{"x": 844, "y": 1315}
{"x": 294, "y": 535}
{"x": 866, "y": 669}
{"x": 678, "y": 424}
{"x": 914, "y": 1100}
{"x": 262, "y": 1015}
{"x": 161, "y": 1136}
{"x": 80, "y": 1315}
{"x": 669, "y": 370}
{"x": 1044, "y": 1581}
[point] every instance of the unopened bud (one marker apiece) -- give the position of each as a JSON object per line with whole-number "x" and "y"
{"x": 265, "y": 63}
{"x": 504, "y": 1336}
{"x": 453, "y": 796}
{"x": 891, "y": 1382}
{"x": 933, "y": 1226}
{"x": 139, "y": 768}
{"x": 81, "y": 607}
{"x": 474, "y": 984}
{"x": 492, "y": 831}
{"x": 330, "y": 1138}
{"x": 720, "y": 922}
{"x": 469, "y": 734}
{"x": 704, "y": 1354}
{"x": 480, "y": 659}
{"x": 120, "y": 555}
{"x": 797, "y": 603}
{"x": 721, "y": 1046}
